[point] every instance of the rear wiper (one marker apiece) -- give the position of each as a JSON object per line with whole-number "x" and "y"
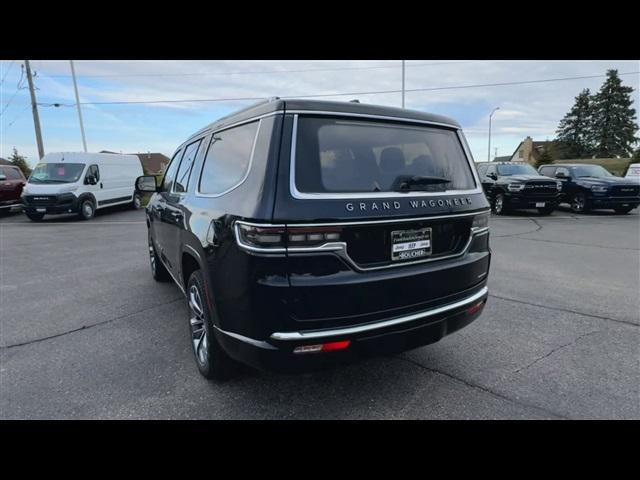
{"x": 406, "y": 183}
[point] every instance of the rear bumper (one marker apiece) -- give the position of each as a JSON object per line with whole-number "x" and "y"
{"x": 391, "y": 335}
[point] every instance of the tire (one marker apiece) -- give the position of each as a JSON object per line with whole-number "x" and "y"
{"x": 158, "y": 271}
{"x": 580, "y": 203}
{"x": 499, "y": 205}
{"x": 212, "y": 361}
{"x": 623, "y": 210}
{"x": 546, "y": 210}
{"x": 35, "y": 217}
{"x": 87, "y": 209}
{"x": 136, "y": 203}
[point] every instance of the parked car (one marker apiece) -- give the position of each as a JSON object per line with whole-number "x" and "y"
{"x": 633, "y": 172}
{"x": 517, "y": 185}
{"x": 304, "y": 233}
{"x": 12, "y": 180}
{"x": 587, "y": 187}
{"x": 81, "y": 183}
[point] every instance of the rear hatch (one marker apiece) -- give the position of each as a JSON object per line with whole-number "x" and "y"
{"x": 398, "y": 201}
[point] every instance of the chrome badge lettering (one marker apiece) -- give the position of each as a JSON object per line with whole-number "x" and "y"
{"x": 415, "y": 204}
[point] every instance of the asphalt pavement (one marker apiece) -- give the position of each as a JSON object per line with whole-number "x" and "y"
{"x": 87, "y": 334}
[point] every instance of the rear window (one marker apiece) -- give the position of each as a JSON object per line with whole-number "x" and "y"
{"x": 349, "y": 156}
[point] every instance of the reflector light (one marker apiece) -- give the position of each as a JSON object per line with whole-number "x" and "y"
{"x": 323, "y": 347}
{"x": 474, "y": 308}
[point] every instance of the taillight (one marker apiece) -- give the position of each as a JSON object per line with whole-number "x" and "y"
{"x": 277, "y": 238}
{"x": 312, "y": 236}
{"x": 272, "y": 237}
{"x": 480, "y": 221}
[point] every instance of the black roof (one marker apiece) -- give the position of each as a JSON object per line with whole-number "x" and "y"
{"x": 275, "y": 105}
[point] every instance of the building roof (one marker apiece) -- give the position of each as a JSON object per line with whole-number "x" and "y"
{"x": 5, "y": 162}
{"x": 503, "y": 159}
{"x": 275, "y": 105}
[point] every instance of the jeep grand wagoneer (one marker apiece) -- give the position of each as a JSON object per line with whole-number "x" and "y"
{"x": 303, "y": 233}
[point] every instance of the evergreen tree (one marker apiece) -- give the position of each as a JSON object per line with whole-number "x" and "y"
{"x": 575, "y": 129}
{"x": 546, "y": 156}
{"x": 20, "y": 161}
{"x": 614, "y": 125}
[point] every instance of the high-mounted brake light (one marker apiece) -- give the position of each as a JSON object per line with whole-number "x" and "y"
{"x": 323, "y": 347}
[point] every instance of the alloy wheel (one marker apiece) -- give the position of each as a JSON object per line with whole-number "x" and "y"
{"x": 199, "y": 338}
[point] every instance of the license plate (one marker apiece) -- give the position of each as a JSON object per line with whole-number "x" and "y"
{"x": 41, "y": 210}
{"x": 539, "y": 204}
{"x": 410, "y": 244}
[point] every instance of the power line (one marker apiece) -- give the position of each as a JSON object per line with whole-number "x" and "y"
{"x": 7, "y": 72}
{"x": 250, "y": 72}
{"x": 320, "y": 95}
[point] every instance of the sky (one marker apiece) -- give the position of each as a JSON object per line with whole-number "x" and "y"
{"x": 532, "y": 109}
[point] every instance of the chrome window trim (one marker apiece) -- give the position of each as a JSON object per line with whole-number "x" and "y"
{"x": 338, "y": 332}
{"x": 207, "y": 130}
{"x": 198, "y": 193}
{"x": 295, "y": 193}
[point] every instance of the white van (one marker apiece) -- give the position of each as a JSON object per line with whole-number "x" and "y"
{"x": 78, "y": 182}
{"x": 633, "y": 172}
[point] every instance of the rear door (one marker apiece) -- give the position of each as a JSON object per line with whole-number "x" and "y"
{"x": 365, "y": 202}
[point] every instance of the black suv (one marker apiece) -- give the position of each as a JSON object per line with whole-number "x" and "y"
{"x": 517, "y": 185}
{"x": 586, "y": 187}
{"x": 304, "y": 233}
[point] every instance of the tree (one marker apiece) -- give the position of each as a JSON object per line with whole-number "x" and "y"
{"x": 20, "y": 161}
{"x": 636, "y": 156}
{"x": 546, "y": 156}
{"x": 575, "y": 129}
{"x": 614, "y": 126}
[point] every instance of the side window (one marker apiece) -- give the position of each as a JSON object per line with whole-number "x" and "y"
{"x": 12, "y": 173}
{"x": 227, "y": 159}
{"x": 548, "y": 171}
{"x": 170, "y": 174}
{"x": 491, "y": 170}
{"x": 482, "y": 170}
{"x": 92, "y": 171}
{"x": 184, "y": 171}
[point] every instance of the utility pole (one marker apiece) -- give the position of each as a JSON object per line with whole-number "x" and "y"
{"x": 75, "y": 88}
{"x": 403, "y": 83}
{"x": 34, "y": 109}
{"x": 489, "y": 149}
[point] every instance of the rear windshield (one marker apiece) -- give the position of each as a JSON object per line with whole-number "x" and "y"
{"x": 345, "y": 156}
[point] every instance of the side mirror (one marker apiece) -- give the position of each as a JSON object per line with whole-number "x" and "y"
{"x": 146, "y": 183}
{"x": 3, "y": 177}
{"x": 492, "y": 176}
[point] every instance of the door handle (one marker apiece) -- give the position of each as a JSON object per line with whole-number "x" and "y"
{"x": 100, "y": 184}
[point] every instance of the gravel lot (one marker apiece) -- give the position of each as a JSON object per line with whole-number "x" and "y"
{"x": 86, "y": 333}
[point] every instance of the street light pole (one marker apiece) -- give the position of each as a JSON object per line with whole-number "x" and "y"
{"x": 34, "y": 109}
{"x": 489, "y": 149}
{"x": 75, "y": 88}
{"x": 402, "y": 83}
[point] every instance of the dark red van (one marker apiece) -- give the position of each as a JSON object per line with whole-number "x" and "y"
{"x": 12, "y": 181}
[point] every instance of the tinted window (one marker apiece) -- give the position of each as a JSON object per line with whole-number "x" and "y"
{"x": 11, "y": 173}
{"x": 184, "y": 172}
{"x": 170, "y": 174}
{"x": 93, "y": 171}
{"x": 228, "y": 158}
{"x": 335, "y": 155}
{"x": 548, "y": 171}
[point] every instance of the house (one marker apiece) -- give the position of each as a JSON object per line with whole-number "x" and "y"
{"x": 529, "y": 151}
{"x": 152, "y": 163}
{"x": 502, "y": 159}
{"x": 5, "y": 162}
